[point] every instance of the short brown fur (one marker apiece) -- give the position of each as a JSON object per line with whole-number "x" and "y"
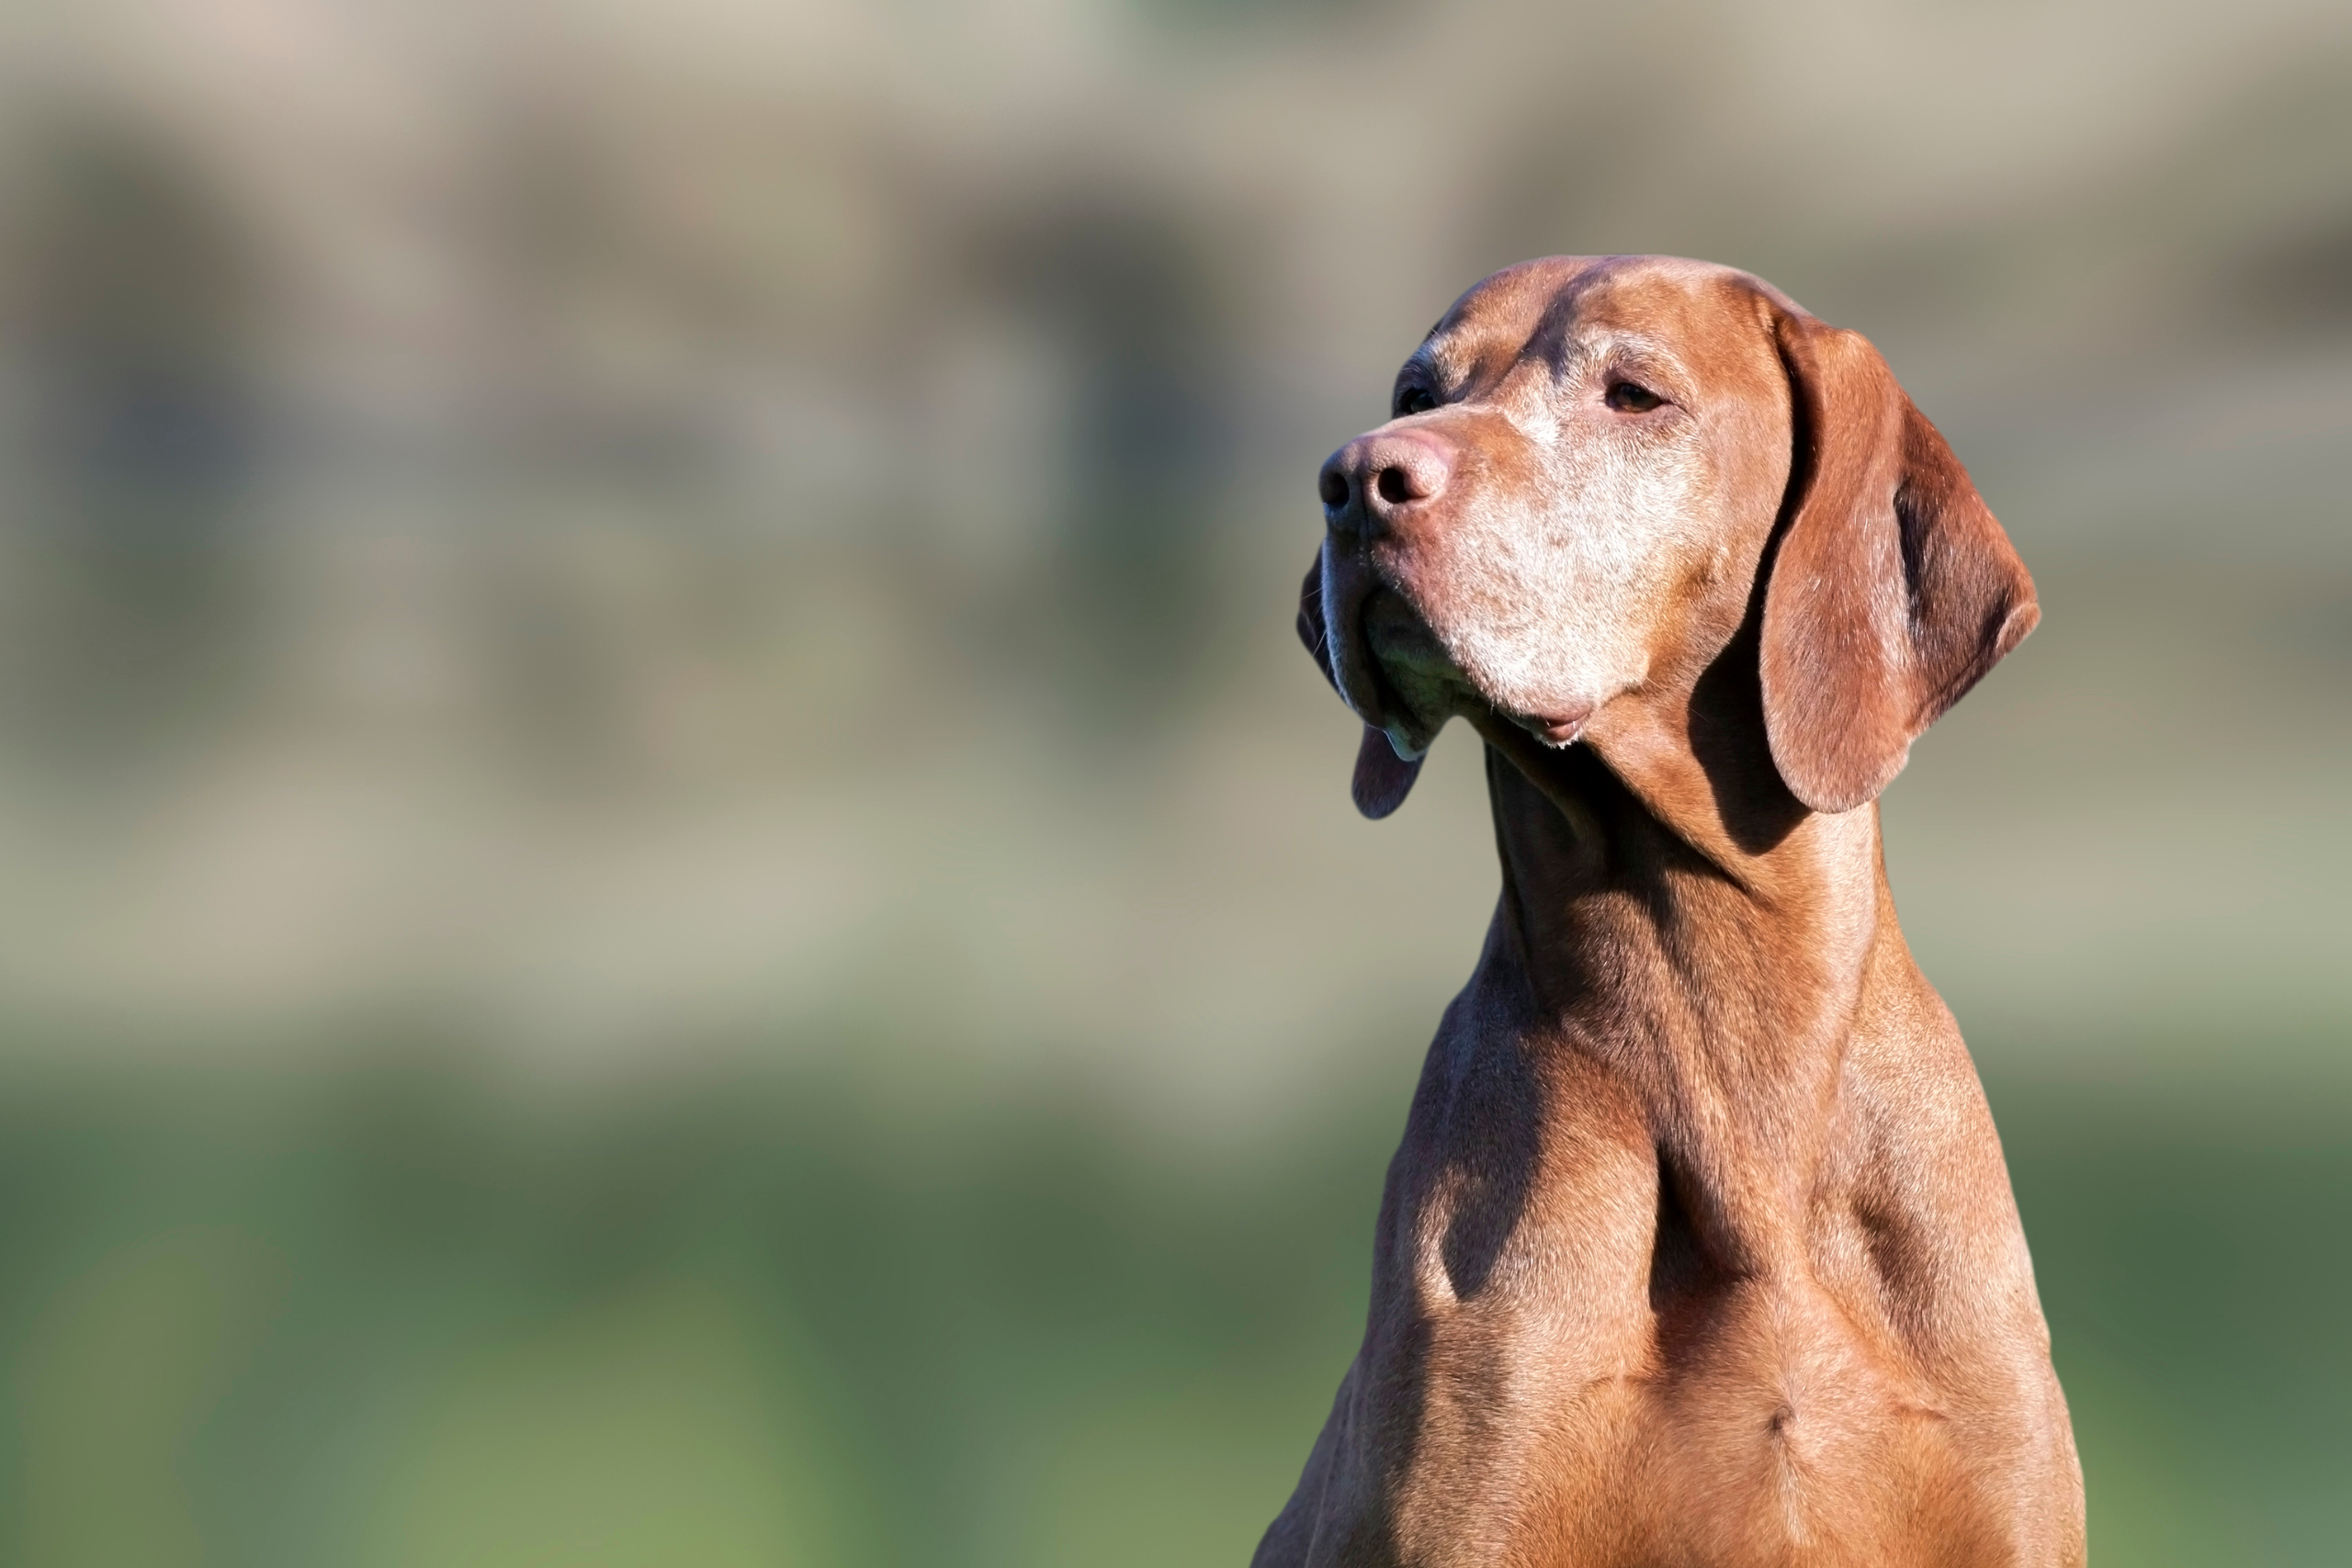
{"x": 1699, "y": 1249}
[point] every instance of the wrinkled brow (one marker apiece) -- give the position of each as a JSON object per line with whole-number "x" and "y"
{"x": 1439, "y": 363}
{"x": 1564, "y": 351}
{"x": 1454, "y": 354}
{"x": 1635, "y": 354}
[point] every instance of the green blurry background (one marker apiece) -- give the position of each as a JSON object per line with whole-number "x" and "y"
{"x": 671, "y": 892}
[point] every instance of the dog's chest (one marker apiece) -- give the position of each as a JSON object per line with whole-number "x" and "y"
{"x": 1554, "y": 1359}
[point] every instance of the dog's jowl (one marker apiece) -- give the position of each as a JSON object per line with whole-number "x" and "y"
{"x": 1699, "y": 1250}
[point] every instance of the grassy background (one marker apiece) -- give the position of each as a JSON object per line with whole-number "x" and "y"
{"x": 399, "y": 1317}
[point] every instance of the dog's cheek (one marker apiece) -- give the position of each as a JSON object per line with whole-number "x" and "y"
{"x": 1639, "y": 531}
{"x": 1559, "y": 610}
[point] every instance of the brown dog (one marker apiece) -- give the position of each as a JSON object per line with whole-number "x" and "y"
{"x": 1698, "y": 1249}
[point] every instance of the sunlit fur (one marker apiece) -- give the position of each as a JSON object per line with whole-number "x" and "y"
{"x": 1573, "y": 527}
{"x": 1697, "y": 1251}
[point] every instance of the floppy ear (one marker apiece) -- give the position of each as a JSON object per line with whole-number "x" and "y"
{"x": 1893, "y": 590}
{"x": 1382, "y": 779}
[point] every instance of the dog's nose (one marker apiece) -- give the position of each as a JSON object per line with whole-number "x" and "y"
{"x": 1367, "y": 482}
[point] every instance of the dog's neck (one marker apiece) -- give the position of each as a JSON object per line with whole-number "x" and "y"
{"x": 1714, "y": 948}
{"x": 1579, "y": 843}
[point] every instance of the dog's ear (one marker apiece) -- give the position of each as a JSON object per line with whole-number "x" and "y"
{"x": 1382, "y": 779}
{"x": 1893, "y": 590}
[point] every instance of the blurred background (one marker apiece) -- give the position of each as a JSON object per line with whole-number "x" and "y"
{"x": 671, "y": 892}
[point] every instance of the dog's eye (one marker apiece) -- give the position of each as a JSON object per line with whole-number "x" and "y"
{"x": 1627, "y": 398}
{"x": 1414, "y": 399}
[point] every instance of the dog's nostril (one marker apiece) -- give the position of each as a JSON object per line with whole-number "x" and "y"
{"x": 1333, "y": 488}
{"x": 1395, "y": 486}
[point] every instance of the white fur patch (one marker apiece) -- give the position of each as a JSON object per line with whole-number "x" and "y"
{"x": 1548, "y": 595}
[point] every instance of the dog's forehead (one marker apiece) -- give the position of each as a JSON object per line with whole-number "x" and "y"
{"x": 1699, "y": 311}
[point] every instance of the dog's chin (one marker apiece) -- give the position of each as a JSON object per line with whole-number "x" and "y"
{"x": 1422, "y": 685}
{"x": 1421, "y": 701}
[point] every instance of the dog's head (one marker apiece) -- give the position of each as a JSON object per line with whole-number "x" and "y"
{"x": 1594, "y": 466}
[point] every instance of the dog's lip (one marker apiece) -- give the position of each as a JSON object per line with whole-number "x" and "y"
{"x": 1382, "y": 710}
{"x": 1356, "y": 672}
{"x": 1561, "y": 730}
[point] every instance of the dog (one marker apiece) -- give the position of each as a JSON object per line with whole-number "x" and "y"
{"x": 1698, "y": 1249}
